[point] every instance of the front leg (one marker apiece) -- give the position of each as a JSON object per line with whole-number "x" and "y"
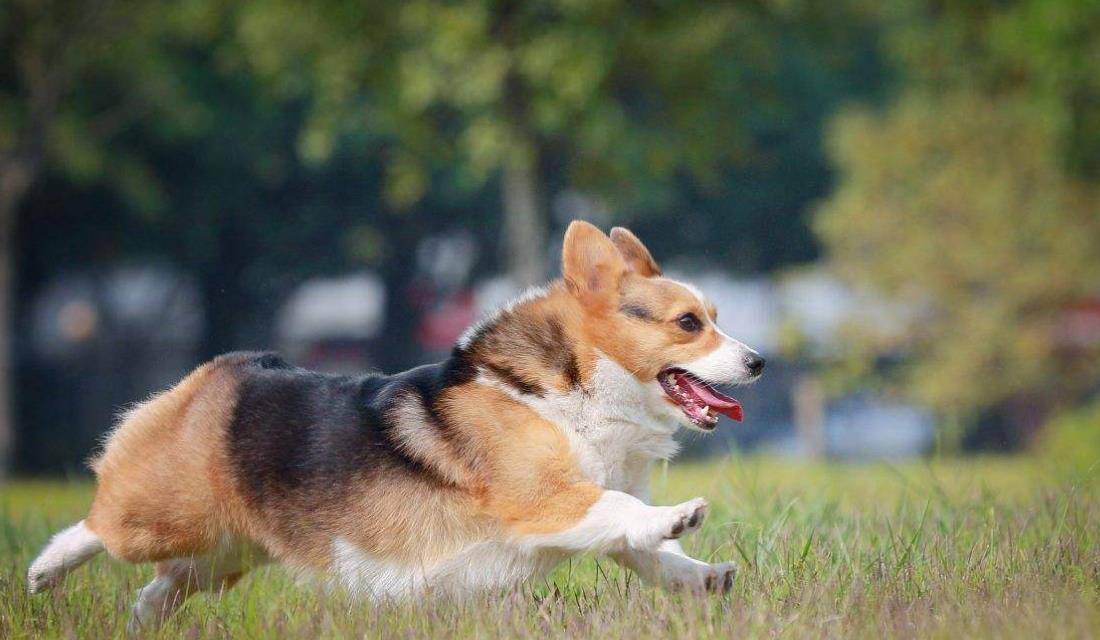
{"x": 618, "y": 522}
{"x": 669, "y": 567}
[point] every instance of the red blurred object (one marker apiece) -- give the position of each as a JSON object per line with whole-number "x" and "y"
{"x": 1079, "y": 324}
{"x": 441, "y": 325}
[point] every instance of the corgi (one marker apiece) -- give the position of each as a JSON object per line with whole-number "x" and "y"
{"x": 533, "y": 441}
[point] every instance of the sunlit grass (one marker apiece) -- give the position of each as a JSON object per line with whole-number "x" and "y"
{"x": 960, "y": 548}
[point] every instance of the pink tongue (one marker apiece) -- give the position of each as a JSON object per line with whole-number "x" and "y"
{"x": 719, "y": 402}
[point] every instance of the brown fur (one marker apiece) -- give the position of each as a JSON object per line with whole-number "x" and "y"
{"x": 529, "y": 479}
{"x": 162, "y": 481}
{"x": 165, "y": 489}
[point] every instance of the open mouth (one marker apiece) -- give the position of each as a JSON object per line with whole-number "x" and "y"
{"x": 697, "y": 399}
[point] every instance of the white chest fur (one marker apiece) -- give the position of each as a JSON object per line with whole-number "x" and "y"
{"x": 617, "y": 427}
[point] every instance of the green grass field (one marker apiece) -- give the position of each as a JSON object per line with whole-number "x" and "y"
{"x": 961, "y": 548}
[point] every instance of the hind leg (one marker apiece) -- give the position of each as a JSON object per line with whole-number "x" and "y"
{"x": 180, "y": 578}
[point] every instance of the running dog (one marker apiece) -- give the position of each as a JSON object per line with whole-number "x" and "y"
{"x": 533, "y": 441}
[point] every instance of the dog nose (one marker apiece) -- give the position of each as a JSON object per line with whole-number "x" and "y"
{"x": 755, "y": 364}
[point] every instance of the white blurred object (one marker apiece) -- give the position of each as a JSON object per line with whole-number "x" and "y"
{"x": 151, "y": 303}
{"x": 447, "y": 259}
{"x": 494, "y": 293}
{"x": 868, "y": 427}
{"x": 351, "y": 307}
{"x": 821, "y": 306}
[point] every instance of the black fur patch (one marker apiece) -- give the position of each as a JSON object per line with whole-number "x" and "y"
{"x": 429, "y": 381}
{"x": 271, "y": 360}
{"x": 513, "y": 379}
{"x": 558, "y": 354}
{"x": 636, "y": 311}
{"x": 301, "y": 434}
{"x": 512, "y": 337}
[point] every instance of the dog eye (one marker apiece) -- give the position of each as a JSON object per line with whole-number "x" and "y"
{"x": 689, "y": 322}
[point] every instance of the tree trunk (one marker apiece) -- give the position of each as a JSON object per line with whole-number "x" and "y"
{"x": 809, "y": 415}
{"x": 15, "y": 179}
{"x": 525, "y": 221}
{"x": 227, "y": 307}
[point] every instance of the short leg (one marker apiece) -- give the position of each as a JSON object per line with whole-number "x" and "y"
{"x": 181, "y": 578}
{"x": 160, "y": 598}
{"x": 618, "y": 521}
{"x": 668, "y": 566}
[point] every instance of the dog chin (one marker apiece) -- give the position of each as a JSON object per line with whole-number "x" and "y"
{"x": 691, "y": 426}
{"x": 686, "y": 423}
{"x": 669, "y": 417}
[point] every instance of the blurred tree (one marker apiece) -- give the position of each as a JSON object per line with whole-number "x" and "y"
{"x": 625, "y": 96}
{"x": 249, "y": 145}
{"x": 73, "y": 76}
{"x": 754, "y": 217}
{"x": 169, "y": 150}
{"x": 974, "y": 199}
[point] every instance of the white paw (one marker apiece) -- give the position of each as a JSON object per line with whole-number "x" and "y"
{"x": 658, "y": 524}
{"x": 685, "y": 518}
{"x": 143, "y": 617}
{"x": 698, "y": 578}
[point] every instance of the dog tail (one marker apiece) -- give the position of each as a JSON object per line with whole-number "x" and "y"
{"x": 66, "y": 551}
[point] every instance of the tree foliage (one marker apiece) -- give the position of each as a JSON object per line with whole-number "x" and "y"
{"x": 626, "y": 90}
{"x": 77, "y": 76}
{"x": 615, "y": 98}
{"x": 974, "y": 199}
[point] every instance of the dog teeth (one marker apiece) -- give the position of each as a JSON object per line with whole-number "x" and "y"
{"x": 699, "y": 412}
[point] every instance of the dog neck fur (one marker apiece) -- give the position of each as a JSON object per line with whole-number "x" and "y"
{"x": 617, "y": 425}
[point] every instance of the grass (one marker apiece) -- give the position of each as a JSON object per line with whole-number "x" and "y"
{"x": 958, "y": 548}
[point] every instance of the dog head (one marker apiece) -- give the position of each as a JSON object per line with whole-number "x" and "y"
{"x": 663, "y": 332}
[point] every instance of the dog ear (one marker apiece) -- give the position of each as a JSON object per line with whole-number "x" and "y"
{"x": 637, "y": 257}
{"x": 591, "y": 264}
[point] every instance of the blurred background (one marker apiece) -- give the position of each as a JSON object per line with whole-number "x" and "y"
{"x": 898, "y": 203}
